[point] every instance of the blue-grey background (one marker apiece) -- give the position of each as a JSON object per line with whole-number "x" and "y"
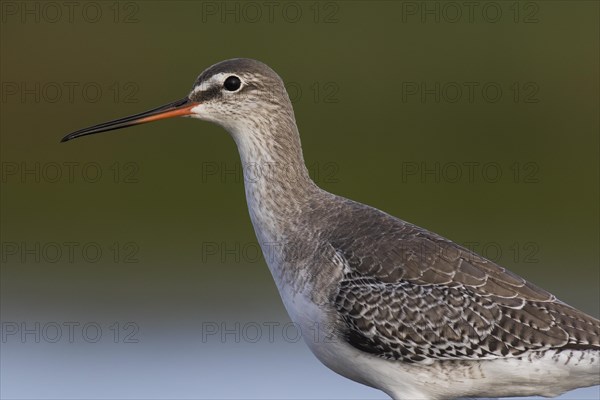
{"x": 129, "y": 265}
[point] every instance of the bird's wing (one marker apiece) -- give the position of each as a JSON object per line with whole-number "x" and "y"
{"x": 411, "y": 295}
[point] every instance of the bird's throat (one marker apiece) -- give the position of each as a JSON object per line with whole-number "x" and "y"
{"x": 276, "y": 180}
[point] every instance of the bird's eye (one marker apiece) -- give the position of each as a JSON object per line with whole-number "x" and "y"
{"x": 232, "y": 83}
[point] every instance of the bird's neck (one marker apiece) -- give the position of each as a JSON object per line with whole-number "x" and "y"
{"x": 276, "y": 180}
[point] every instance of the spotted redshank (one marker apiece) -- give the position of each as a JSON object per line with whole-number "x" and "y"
{"x": 400, "y": 308}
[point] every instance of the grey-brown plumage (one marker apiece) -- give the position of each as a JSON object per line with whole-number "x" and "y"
{"x": 403, "y": 309}
{"x": 411, "y": 295}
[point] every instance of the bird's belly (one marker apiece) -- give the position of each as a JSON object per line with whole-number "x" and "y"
{"x": 319, "y": 327}
{"x": 321, "y": 334}
{"x": 547, "y": 374}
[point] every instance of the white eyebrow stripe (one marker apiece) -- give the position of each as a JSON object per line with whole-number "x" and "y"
{"x": 215, "y": 80}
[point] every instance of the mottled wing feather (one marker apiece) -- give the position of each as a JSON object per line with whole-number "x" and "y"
{"x": 414, "y": 322}
{"x": 408, "y": 294}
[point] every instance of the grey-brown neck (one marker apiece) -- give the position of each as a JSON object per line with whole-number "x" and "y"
{"x": 276, "y": 179}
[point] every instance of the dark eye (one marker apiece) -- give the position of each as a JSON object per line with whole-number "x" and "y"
{"x": 232, "y": 83}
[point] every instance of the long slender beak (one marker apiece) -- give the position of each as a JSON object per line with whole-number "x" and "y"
{"x": 177, "y": 108}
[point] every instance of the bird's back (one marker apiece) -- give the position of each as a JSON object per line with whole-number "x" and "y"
{"x": 415, "y": 299}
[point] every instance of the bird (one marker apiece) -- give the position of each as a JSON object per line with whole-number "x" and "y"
{"x": 397, "y": 307}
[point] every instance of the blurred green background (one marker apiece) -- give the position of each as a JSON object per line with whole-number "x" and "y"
{"x": 412, "y": 107}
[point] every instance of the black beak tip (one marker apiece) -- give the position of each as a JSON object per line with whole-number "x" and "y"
{"x": 176, "y": 108}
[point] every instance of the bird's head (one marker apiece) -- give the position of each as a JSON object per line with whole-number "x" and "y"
{"x": 239, "y": 94}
